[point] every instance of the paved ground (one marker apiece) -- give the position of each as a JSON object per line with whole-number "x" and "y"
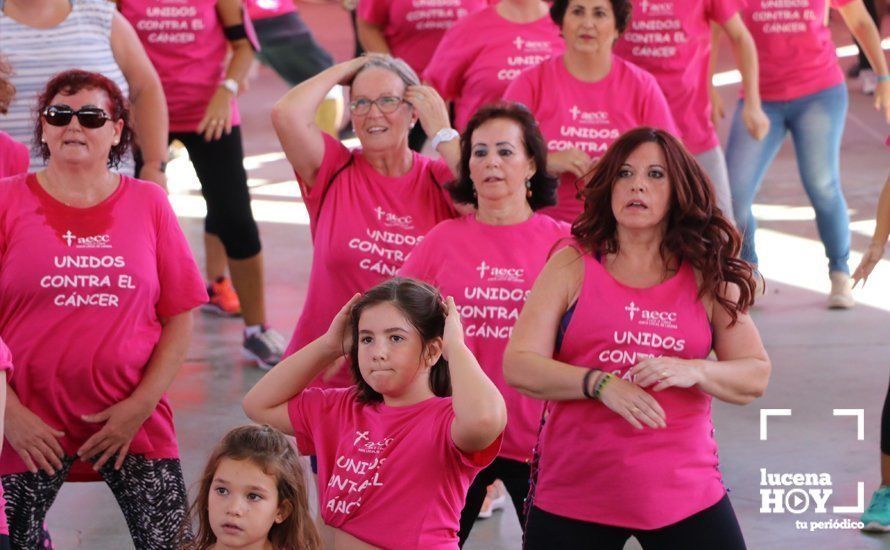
{"x": 822, "y": 360}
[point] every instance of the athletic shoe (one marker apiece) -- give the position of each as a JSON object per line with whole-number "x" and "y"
{"x": 495, "y": 499}
{"x": 841, "y": 296}
{"x": 265, "y": 347}
{"x": 868, "y": 79}
{"x": 877, "y": 515}
{"x": 223, "y": 299}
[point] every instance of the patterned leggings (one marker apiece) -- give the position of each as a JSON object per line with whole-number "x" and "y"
{"x": 151, "y": 494}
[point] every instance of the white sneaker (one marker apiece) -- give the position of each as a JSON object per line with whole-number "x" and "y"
{"x": 496, "y": 499}
{"x": 841, "y": 296}
{"x": 869, "y": 81}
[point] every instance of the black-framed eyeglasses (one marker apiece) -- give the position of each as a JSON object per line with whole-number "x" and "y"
{"x": 88, "y": 117}
{"x": 387, "y": 104}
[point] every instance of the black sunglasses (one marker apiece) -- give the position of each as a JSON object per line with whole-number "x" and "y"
{"x": 88, "y": 117}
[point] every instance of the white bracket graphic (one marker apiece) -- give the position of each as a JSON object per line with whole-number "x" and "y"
{"x": 766, "y": 413}
{"x": 860, "y": 499}
{"x": 860, "y": 420}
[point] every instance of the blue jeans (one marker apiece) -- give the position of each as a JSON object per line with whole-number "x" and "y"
{"x": 816, "y": 122}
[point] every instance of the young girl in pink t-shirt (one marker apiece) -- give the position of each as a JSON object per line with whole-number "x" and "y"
{"x": 616, "y": 335}
{"x": 421, "y": 405}
{"x": 587, "y": 97}
{"x": 253, "y": 494}
{"x": 482, "y": 53}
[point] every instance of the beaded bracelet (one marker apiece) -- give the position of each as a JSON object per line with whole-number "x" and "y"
{"x": 585, "y": 382}
{"x": 602, "y": 384}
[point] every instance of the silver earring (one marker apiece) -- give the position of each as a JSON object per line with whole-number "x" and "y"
{"x": 528, "y": 188}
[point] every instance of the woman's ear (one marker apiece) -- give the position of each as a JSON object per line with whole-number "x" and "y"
{"x": 433, "y": 352}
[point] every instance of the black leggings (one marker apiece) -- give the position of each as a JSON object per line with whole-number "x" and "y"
{"x": 513, "y": 473}
{"x": 714, "y": 527}
{"x": 151, "y": 494}
{"x": 885, "y": 424}
{"x": 219, "y": 165}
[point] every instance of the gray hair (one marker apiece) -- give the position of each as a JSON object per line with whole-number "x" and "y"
{"x": 392, "y": 64}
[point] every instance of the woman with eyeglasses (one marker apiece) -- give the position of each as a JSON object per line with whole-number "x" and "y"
{"x": 367, "y": 207}
{"x": 84, "y": 246}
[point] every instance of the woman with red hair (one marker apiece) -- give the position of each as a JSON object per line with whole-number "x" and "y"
{"x": 616, "y": 335}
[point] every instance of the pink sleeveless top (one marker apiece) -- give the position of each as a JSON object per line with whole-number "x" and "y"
{"x": 594, "y": 465}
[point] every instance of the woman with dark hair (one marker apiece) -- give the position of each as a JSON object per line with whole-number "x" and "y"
{"x": 367, "y": 207}
{"x": 378, "y": 441}
{"x": 97, "y": 285}
{"x": 616, "y": 335}
{"x": 482, "y": 53}
{"x": 14, "y": 157}
{"x": 488, "y": 261}
{"x": 587, "y": 97}
{"x": 674, "y": 44}
{"x": 804, "y": 94}
{"x": 410, "y": 30}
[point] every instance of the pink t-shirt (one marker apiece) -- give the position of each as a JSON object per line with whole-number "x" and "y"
{"x": 264, "y": 9}
{"x": 490, "y": 269}
{"x": 82, "y": 294}
{"x": 413, "y": 28}
{"x": 672, "y": 40}
{"x": 185, "y": 42}
{"x": 588, "y": 115}
{"x": 389, "y": 476}
{"x": 5, "y": 365}
{"x": 14, "y": 157}
{"x": 363, "y": 226}
{"x": 594, "y": 465}
{"x": 794, "y": 47}
{"x": 479, "y": 56}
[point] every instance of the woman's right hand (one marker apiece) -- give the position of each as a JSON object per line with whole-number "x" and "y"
{"x": 632, "y": 403}
{"x": 34, "y": 440}
{"x": 339, "y": 335}
{"x": 572, "y": 160}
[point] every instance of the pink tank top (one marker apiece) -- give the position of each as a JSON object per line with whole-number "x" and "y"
{"x": 594, "y": 465}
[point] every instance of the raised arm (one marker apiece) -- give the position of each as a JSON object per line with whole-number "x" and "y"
{"x": 370, "y": 36}
{"x": 432, "y": 114}
{"x": 740, "y": 374}
{"x": 866, "y": 33}
{"x": 266, "y": 402}
{"x": 745, "y": 52}
{"x": 480, "y": 414}
{"x": 294, "y": 118}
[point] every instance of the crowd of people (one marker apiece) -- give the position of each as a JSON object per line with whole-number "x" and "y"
{"x": 536, "y": 268}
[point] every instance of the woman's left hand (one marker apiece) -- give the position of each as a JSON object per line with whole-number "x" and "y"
{"x": 453, "y": 335}
{"x": 666, "y": 372}
{"x": 218, "y": 116}
{"x": 122, "y": 421}
{"x": 430, "y": 108}
{"x": 755, "y": 121}
{"x": 882, "y": 99}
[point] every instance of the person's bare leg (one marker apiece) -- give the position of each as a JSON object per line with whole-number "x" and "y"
{"x": 214, "y": 257}
{"x": 247, "y": 277}
{"x": 885, "y": 470}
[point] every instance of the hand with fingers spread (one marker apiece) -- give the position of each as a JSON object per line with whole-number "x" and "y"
{"x": 666, "y": 372}
{"x": 218, "y": 116}
{"x": 632, "y": 403}
{"x": 432, "y": 113}
{"x": 572, "y": 160}
{"x": 121, "y": 422}
{"x": 36, "y": 442}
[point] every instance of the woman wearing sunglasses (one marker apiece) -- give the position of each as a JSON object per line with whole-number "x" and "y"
{"x": 83, "y": 246}
{"x": 368, "y": 207}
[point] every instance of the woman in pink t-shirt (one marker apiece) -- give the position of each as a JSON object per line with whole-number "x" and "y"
{"x": 616, "y": 335}
{"x": 482, "y": 53}
{"x": 97, "y": 284}
{"x": 804, "y": 94}
{"x": 421, "y": 405}
{"x": 369, "y": 207}
{"x": 489, "y": 261}
{"x": 587, "y": 97}
{"x": 410, "y": 30}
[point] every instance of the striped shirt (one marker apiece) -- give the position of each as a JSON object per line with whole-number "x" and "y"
{"x": 81, "y": 41}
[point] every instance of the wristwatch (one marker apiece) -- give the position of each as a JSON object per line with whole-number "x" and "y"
{"x": 231, "y": 85}
{"x": 444, "y": 135}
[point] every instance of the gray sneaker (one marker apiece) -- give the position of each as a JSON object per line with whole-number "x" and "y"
{"x": 265, "y": 348}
